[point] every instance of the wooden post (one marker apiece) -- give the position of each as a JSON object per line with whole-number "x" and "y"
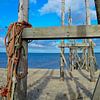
{"x": 21, "y": 86}
{"x": 91, "y": 62}
{"x": 62, "y": 42}
{"x": 71, "y": 59}
{"x": 97, "y": 4}
{"x": 71, "y": 41}
{"x": 88, "y": 19}
{"x": 84, "y": 57}
{"x": 62, "y": 62}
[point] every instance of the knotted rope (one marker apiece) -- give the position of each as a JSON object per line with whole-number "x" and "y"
{"x": 14, "y": 47}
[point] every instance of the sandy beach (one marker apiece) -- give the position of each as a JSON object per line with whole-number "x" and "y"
{"x": 45, "y": 84}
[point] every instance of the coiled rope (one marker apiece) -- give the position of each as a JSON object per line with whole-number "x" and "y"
{"x": 13, "y": 43}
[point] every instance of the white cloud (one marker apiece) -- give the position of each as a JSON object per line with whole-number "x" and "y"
{"x": 33, "y": 1}
{"x": 44, "y": 44}
{"x": 2, "y": 46}
{"x": 77, "y": 7}
{"x": 50, "y": 7}
{"x": 54, "y": 6}
{"x": 32, "y": 45}
{"x": 54, "y": 44}
{"x": 1, "y": 42}
{"x": 1, "y": 29}
{"x": 93, "y": 14}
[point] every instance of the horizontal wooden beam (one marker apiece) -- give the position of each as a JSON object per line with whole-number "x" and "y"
{"x": 73, "y": 46}
{"x": 66, "y": 32}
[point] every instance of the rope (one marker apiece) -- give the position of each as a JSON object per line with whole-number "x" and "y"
{"x": 13, "y": 43}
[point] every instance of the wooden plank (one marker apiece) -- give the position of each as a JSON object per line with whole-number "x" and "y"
{"x": 73, "y": 46}
{"x": 67, "y": 32}
{"x": 96, "y": 94}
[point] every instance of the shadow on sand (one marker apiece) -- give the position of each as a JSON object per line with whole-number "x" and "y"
{"x": 84, "y": 75}
{"x": 35, "y": 93}
{"x": 61, "y": 96}
{"x": 33, "y": 73}
{"x": 72, "y": 94}
{"x": 79, "y": 87}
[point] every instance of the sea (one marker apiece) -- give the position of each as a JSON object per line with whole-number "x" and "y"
{"x": 43, "y": 60}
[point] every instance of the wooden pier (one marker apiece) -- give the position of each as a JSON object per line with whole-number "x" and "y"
{"x": 79, "y": 84}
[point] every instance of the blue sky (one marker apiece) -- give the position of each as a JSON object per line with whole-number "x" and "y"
{"x": 44, "y": 13}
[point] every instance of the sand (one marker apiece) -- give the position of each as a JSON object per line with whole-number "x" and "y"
{"x": 45, "y": 84}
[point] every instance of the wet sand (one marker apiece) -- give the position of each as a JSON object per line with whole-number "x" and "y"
{"x": 45, "y": 84}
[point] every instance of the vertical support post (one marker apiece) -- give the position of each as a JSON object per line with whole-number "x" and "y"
{"x": 21, "y": 86}
{"x": 71, "y": 59}
{"x": 62, "y": 42}
{"x": 96, "y": 94}
{"x": 71, "y": 40}
{"x": 97, "y": 5}
{"x": 62, "y": 62}
{"x": 88, "y": 22}
{"x": 85, "y": 56}
{"x": 88, "y": 19}
{"x": 91, "y": 62}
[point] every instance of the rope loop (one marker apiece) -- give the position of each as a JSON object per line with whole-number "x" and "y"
{"x": 14, "y": 47}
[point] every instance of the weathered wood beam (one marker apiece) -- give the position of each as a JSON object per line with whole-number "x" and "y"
{"x": 21, "y": 86}
{"x": 88, "y": 22}
{"x": 67, "y": 32}
{"x": 96, "y": 93}
{"x": 73, "y": 46}
{"x": 88, "y": 19}
{"x": 91, "y": 61}
{"x": 62, "y": 63}
{"x": 97, "y": 4}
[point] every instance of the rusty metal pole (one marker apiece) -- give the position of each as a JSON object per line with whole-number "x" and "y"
{"x": 88, "y": 22}
{"x": 21, "y": 86}
{"x": 62, "y": 42}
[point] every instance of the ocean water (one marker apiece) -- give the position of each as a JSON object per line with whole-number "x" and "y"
{"x": 42, "y": 60}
